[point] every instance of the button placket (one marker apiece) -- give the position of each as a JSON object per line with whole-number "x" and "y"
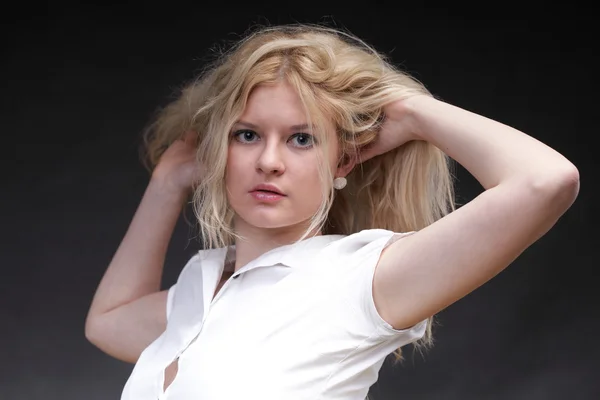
{"x": 163, "y": 393}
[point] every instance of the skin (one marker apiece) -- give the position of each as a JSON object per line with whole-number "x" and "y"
{"x": 528, "y": 186}
{"x": 266, "y": 148}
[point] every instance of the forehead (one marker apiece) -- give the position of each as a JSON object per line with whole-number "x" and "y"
{"x": 270, "y": 100}
{"x": 280, "y": 104}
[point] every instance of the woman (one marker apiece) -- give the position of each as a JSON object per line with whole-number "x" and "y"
{"x": 320, "y": 177}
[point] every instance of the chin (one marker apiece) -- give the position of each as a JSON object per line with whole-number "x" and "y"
{"x": 266, "y": 216}
{"x": 266, "y": 220}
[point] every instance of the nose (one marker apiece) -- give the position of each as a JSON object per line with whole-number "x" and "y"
{"x": 270, "y": 159}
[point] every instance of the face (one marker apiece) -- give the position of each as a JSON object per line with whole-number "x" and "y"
{"x": 272, "y": 144}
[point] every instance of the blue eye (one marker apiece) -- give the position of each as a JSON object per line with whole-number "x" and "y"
{"x": 306, "y": 140}
{"x": 306, "y": 136}
{"x": 238, "y": 133}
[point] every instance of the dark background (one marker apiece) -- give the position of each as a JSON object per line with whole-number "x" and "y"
{"x": 79, "y": 84}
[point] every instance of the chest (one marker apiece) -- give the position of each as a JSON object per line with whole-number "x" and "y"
{"x": 257, "y": 317}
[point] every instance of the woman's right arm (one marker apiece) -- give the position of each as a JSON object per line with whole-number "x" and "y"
{"x": 128, "y": 311}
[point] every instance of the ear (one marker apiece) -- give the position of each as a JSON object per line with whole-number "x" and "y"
{"x": 346, "y": 165}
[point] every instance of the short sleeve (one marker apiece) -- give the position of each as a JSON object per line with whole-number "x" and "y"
{"x": 359, "y": 258}
{"x": 170, "y": 294}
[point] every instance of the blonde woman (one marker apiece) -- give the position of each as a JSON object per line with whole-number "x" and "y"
{"x": 320, "y": 176}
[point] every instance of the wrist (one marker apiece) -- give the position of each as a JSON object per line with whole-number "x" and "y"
{"x": 413, "y": 112}
{"x": 167, "y": 191}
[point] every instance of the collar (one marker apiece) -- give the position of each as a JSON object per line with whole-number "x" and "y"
{"x": 291, "y": 255}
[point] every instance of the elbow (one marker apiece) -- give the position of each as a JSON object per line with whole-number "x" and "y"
{"x": 571, "y": 184}
{"x": 92, "y": 330}
{"x": 89, "y": 330}
{"x": 560, "y": 185}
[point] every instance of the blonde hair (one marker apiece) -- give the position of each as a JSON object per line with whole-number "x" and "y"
{"x": 340, "y": 79}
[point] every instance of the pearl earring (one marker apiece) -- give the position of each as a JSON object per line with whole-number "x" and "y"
{"x": 339, "y": 183}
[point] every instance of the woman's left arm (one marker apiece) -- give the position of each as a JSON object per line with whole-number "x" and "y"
{"x": 492, "y": 152}
{"x": 528, "y": 187}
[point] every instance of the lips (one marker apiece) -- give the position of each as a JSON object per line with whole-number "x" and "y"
{"x": 268, "y": 191}
{"x": 267, "y": 188}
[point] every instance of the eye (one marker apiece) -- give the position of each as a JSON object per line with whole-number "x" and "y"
{"x": 245, "y": 132}
{"x": 306, "y": 140}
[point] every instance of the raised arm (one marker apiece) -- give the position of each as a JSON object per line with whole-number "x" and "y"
{"x": 528, "y": 187}
{"x": 128, "y": 310}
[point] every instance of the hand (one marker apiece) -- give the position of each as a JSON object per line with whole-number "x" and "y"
{"x": 178, "y": 168}
{"x": 395, "y": 131}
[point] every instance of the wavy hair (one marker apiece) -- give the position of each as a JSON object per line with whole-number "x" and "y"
{"x": 339, "y": 78}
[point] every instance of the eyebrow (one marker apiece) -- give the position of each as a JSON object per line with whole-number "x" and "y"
{"x": 252, "y": 126}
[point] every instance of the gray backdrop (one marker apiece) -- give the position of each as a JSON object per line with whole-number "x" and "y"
{"x": 79, "y": 84}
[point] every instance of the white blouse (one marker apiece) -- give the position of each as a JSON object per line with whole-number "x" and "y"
{"x": 296, "y": 323}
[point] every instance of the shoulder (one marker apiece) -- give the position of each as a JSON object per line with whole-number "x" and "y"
{"x": 359, "y": 249}
{"x": 203, "y": 259}
{"x": 351, "y": 264}
{"x": 365, "y": 241}
{"x": 190, "y": 280}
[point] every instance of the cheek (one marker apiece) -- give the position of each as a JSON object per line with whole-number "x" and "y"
{"x": 312, "y": 184}
{"x": 234, "y": 166}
